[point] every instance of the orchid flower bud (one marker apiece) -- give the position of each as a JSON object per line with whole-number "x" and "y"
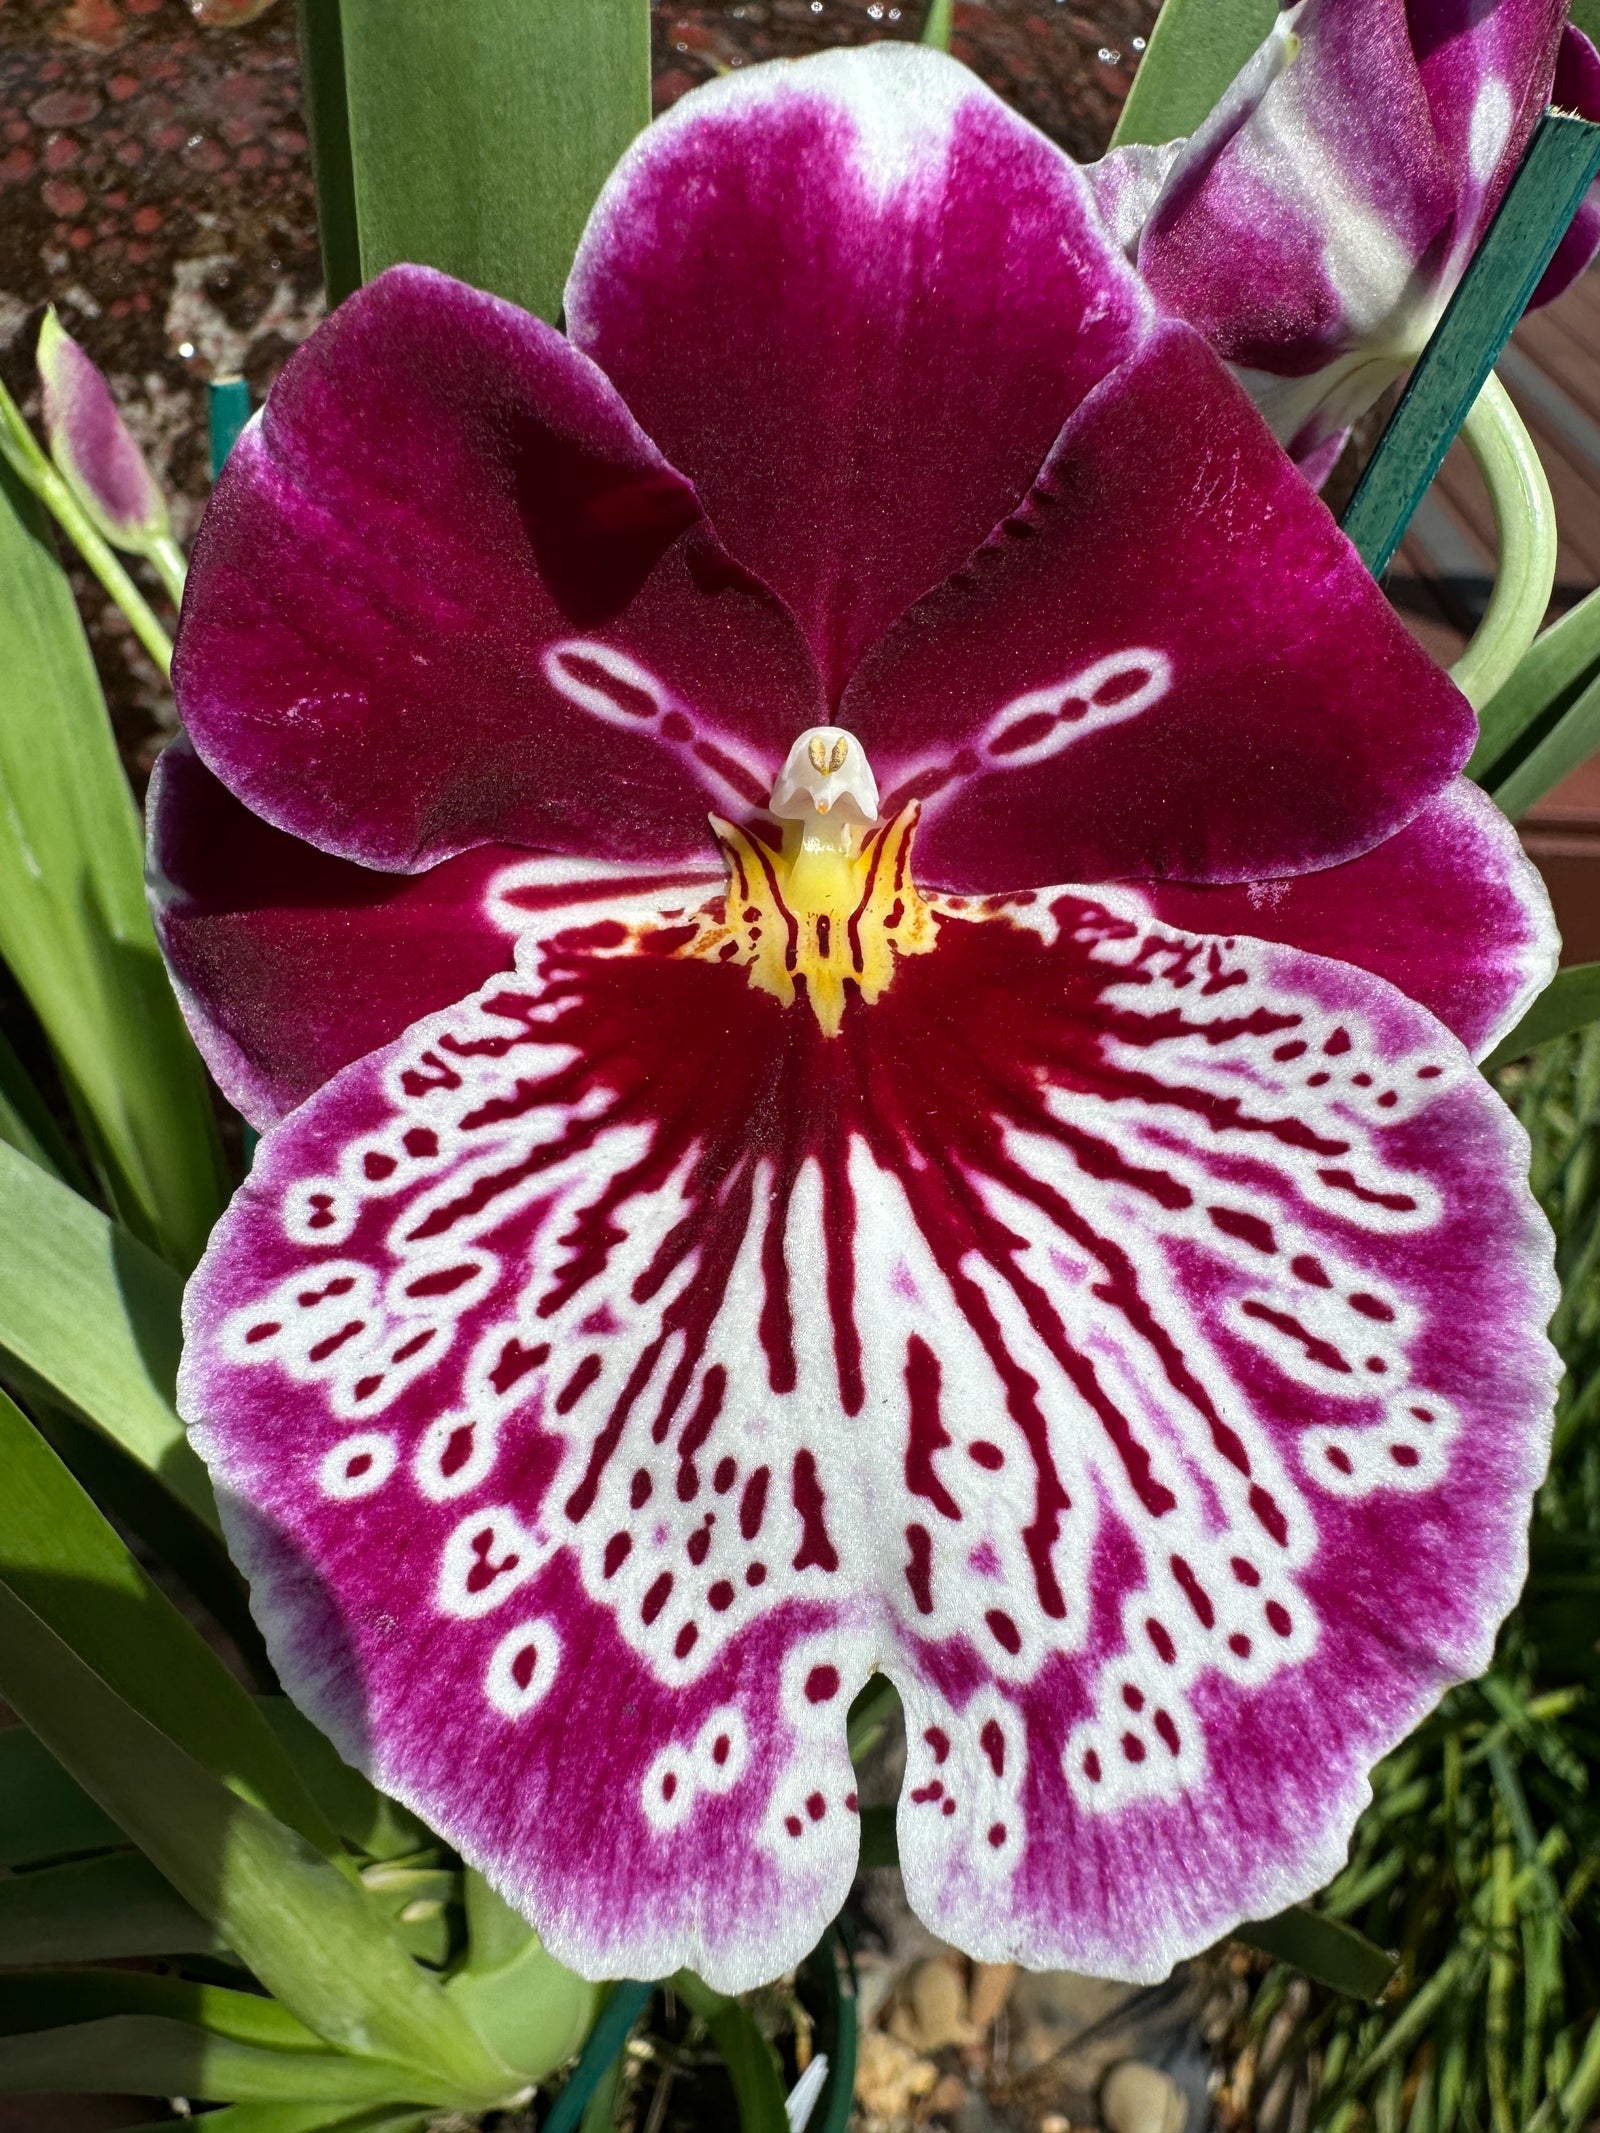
{"x": 1315, "y": 226}
{"x": 93, "y": 447}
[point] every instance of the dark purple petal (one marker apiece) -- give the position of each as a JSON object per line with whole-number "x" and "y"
{"x": 1168, "y": 663}
{"x": 854, "y": 299}
{"x": 1577, "y": 89}
{"x": 1317, "y": 223}
{"x": 448, "y": 594}
{"x": 289, "y": 963}
{"x": 1304, "y": 214}
{"x": 92, "y": 445}
{"x": 1450, "y": 909}
{"x": 1128, "y": 1340}
{"x": 1486, "y": 72}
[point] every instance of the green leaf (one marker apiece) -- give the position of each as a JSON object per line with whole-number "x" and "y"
{"x": 54, "y": 1999}
{"x": 535, "y": 2012}
{"x": 328, "y": 124}
{"x": 303, "y": 2118}
{"x": 1196, "y": 48}
{"x": 1555, "y": 173}
{"x": 26, "y": 1124}
{"x": 751, "y": 2061}
{"x": 480, "y": 137}
{"x": 73, "y": 922}
{"x": 44, "y": 1814}
{"x": 1325, "y": 1950}
{"x": 92, "y": 1910}
{"x": 151, "y": 2056}
{"x": 91, "y": 1313}
{"x": 308, "y": 1933}
{"x": 1570, "y": 1001}
{"x": 879, "y": 1844}
{"x": 380, "y": 1827}
{"x": 182, "y": 1542}
{"x": 62, "y": 1559}
{"x": 1545, "y": 686}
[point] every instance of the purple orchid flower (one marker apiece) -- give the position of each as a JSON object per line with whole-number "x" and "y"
{"x": 1316, "y": 225}
{"x": 691, "y": 1267}
{"x": 93, "y": 446}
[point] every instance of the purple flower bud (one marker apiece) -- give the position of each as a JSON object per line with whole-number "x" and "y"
{"x": 93, "y": 446}
{"x": 227, "y": 14}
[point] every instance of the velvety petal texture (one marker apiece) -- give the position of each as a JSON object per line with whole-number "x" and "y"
{"x": 1576, "y": 89}
{"x": 1168, "y": 662}
{"x": 1127, "y": 1339}
{"x": 448, "y": 594}
{"x": 289, "y": 964}
{"x": 1317, "y": 223}
{"x": 853, "y": 301}
{"x": 1450, "y": 909}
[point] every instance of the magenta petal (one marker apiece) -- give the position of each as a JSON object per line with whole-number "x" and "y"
{"x": 1450, "y": 909}
{"x": 289, "y": 963}
{"x": 1315, "y": 204}
{"x": 1127, "y": 1339}
{"x": 448, "y": 594}
{"x": 1251, "y": 708}
{"x": 1577, "y": 89}
{"x": 853, "y": 298}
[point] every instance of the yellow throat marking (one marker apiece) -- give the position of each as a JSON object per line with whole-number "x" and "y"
{"x": 817, "y": 912}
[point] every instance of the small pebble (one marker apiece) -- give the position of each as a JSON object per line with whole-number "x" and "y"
{"x": 1136, "y": 2098}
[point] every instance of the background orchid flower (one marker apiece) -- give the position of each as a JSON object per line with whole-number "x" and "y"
{"x": 92, "y": 445}
{"x": 1316, "y": 225}
{"x": 99, "y": 457}
{"x": 705, "y": 1250}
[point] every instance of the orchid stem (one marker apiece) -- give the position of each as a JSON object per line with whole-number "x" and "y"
{"x": 167, "y": 560}
{"x": 1525, "y": 534}
{"x": 937, "y": 25}
{"x": 23, "y": 454}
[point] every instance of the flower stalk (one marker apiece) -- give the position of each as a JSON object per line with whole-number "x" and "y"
{"x": 1525, "y": 530}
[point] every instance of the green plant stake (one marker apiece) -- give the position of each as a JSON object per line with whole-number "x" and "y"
{"x": 1562, "y": 160}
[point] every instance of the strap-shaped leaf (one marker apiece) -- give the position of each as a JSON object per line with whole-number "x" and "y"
{"x": 1570, "y": 1001}
{"x": 304, "y": 2118}
{"x": 62, "y": 1558}
{"x": 73, "y": 922}
{"x": 361, "y": 1814}
{"x": 184, "y": 1544}
{"x": 1556, "y": 172}
{"x": 309, "y": 1934}
{"x": 751, "y": 2061}
{"x": 88, "y": 1311}
{"x": 26, "y": 1124}
{"x": 1325, "y": 1950}
{"x": 152, "y": 2056}
{"x": 1196, "y": 48}
{"x": 1548, "y": 682}
{"x": 52, "y": 1999}
{"x": 328, "y": 123}
{"x": 480, "y": 137}
{"x": 94, "y": 1910}
{"x": 43, "y": 1813}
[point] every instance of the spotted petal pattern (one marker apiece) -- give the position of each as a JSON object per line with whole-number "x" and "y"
{"x": 1145, "y": 1375}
